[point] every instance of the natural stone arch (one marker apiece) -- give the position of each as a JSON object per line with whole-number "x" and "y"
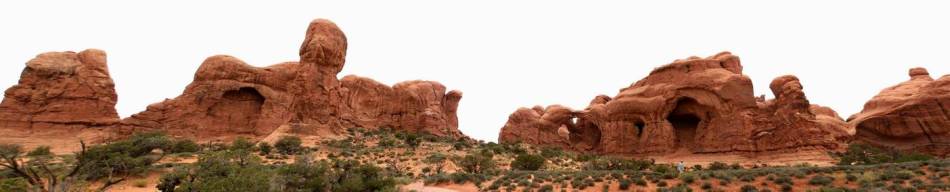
{"x": 687, "y": 116}
{"x": 238, "y": 110}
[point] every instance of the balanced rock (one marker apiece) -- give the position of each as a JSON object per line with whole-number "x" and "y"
{"x": 696, "y": 105}
{"x": 913, "y": 115}
{"x": 60, "y": 91}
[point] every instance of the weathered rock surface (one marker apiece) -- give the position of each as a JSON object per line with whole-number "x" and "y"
{"x": 698, "y": 105}
{"x": 230, "y": 98}
{"x": 913, "y": 115}
{"x": 60, "y": 90}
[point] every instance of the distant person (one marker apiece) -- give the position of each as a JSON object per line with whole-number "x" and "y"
{"x": 681, "y": 167}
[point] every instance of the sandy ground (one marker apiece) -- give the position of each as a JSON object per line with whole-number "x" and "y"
{"x": 814, "y": 157}
{"x": 59, "y": 141}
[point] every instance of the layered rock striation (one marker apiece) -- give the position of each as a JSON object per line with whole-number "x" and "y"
{"x": 60, "y": 90}
{"x": 913, "y": 115}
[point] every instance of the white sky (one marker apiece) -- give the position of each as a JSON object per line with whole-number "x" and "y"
{"x": 501, "y": 54}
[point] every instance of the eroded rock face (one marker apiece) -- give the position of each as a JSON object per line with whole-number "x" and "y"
{"x": 696, "y": 105}
{"x": 229, "y": 98}
{"x": 60, "y": 90}
{"x": 913, "y": 115}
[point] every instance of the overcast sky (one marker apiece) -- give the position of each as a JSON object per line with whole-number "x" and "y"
{"x": 501, "y": 54}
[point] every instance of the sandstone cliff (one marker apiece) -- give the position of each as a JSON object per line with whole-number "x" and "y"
{"x": 913, "y": 115}
{"x": 61, "y": 91}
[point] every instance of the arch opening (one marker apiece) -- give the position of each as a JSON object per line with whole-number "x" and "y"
{"x": 639, "y": 125}
{"x": 685, "y": 119}
{"x": 238, "y": 110}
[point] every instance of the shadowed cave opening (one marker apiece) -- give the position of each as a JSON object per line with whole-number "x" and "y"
{"x": 685, "y": 122}
{"x": 238, "y": 110}
{"x": 639, "y": 125}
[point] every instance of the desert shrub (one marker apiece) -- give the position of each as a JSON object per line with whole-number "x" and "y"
{"x": 747, "y": 178}
{"x": 476, "y": 162}
{"x": 748, "y": 188}
{"x": 662, "y": 169}
{"x": 437, "y": 178}
{"x": 122, "y": 158}
{"x": 461, "y": 145}
{"x": 242, "y": 143}
{"x": 718, "y": 166}
{"x": 289, "y": 145}
{"x": 184, "y": 146}
{"x": 139, "y": 183}
{"x": 783, "y": 179}
{"x": 461, "y": 178}
{"x": 528, "y": 162}
{"x": 387, "y": 142}
{"x": 109, "y": 163}
{"x": 624, "y": 184}
{"x": 437, "y": 160}
{"x": 866, "y": 155}
{"x": 786, "y": 187}
{"x": 546, "y": 188}
{"x": 706, "y": 186}
{"x": 613, "y": 163}
{"x": 820, "y": 180}
{"x": 550, "y": 152}
{"x": 688, "y": 178}
{"x": 735, "y": 166}
{"x": 681, "y": 188}
{"x": 697, "y": 167}
{"x": 222, "y": 171}
{"x": 662, "y": 184}
{"x": 640, "y": 181}
{"x": 851, "y": 177}
{"x": 265, "y": 148}
{"x": 14, "y": 185}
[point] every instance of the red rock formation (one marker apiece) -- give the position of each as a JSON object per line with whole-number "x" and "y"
{"x": 913, "y": 115}
{"x": 60, "y": 90}
{"x": 229, "y": 97}
{"x": 696, "y": 105}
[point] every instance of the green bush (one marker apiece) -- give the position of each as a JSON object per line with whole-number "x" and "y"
{"x": 718, "y": 166}
{"x": 661, "y": 168}
{"x": 706, "y": 186}
{"x": 184, "y": 146}
{"x": 109, "y": 163}
{"x": 613, "y": 163}
{"x": 528, "y": 162}
{"x": 624, "y": 184}
{"x": 688, "y": 178}
{"x": 867, "y": 155}
{"x": 223, "y": 171}
{"x": 265, "y": 148}
{"x": 289, "y": 145}
{"x": 476, "y": 162}
{"x": 748, "y": 188}
{"x": 784, "y": 179}
{"x": 14, "y": 185}
{"x": 242, "y": 143}
{"x": 786, "y": 187}
{"x": 821, "y": 180}
{"x": 550, "y": 152}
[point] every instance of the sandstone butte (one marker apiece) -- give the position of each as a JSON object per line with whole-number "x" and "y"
{"x": 68, "y": 93}
{"x": 706, "y": 105}
{"x": 913, "y": 115}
